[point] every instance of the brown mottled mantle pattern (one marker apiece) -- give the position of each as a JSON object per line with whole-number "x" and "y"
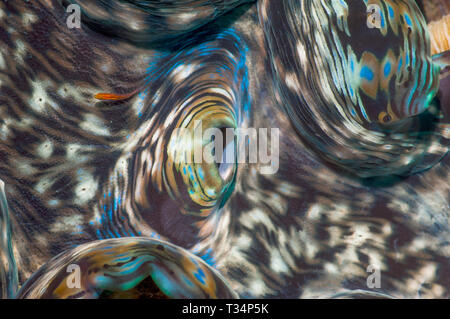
{"x": 436, "y": 9}
{"x": 305, "y": 232}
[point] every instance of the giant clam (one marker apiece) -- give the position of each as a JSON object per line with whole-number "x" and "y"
{"x": 356, "y": 79}
{"x": 116, "y": 267}
{"x": 91, "y": 152}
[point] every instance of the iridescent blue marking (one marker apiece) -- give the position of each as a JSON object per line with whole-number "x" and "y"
{"x": 367, "y": 73}
{"x": 391, "y": 12}
{"x": 408, "y": 20}
{"x": 200, "y": 173}
{"x": 200, "y": 275}
{"x": 208, "y": 257}
{"x": 387, "y": 69}
{"x": 400, "y": 64}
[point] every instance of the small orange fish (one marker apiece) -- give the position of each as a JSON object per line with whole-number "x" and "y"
{"x": 112, "y": 96}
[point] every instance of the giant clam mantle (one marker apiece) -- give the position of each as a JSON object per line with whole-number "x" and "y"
{"x": 357, "y": 79}
{"x": 92, "y": 155}
{"x": 115, "y": 268}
